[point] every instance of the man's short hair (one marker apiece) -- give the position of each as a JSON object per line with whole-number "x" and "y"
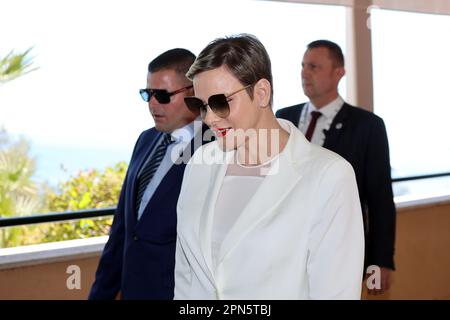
{"x": 243, "y": 55}
{"x": 334, "y": 51}
{"x": 177, "y": 59}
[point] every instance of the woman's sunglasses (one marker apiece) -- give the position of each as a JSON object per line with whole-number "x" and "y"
{"x": 218, "y": 104}
{"x": 161, "y": 95}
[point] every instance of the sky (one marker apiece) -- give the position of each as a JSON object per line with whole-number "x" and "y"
{"x": 93, "y": 55}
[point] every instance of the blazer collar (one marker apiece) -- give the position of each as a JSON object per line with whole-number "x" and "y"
{"x": 140, "y": 162}
{"x": 296, "y": 112}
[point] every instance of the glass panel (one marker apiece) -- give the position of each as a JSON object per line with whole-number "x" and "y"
{"x": 411, "y": 64}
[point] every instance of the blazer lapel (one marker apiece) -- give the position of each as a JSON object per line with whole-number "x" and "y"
{"x": 336, "y": 127}
{"x": 298, "y": 112}
{"x": 134, "y": 178}
{"x": 145, "y": 156}
{"x": 294, "y": 113}
{"x": 218, "y": 171}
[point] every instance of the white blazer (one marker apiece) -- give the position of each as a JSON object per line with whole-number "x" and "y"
{"x": 299, "y": 237}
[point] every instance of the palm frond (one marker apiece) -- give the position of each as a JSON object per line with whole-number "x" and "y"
{"x": 15, "y": 65}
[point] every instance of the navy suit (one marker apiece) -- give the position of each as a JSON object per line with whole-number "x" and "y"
{"x": 139, "y": 257}
{"x": 360, "y": 137}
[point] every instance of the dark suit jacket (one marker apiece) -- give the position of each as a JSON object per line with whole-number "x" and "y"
{"x": 360, "y": 137}
{"x": 139, "y": 257}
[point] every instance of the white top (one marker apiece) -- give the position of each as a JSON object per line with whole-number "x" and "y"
{"x": 239, "y": 185}
{"x": 323, "y": 122}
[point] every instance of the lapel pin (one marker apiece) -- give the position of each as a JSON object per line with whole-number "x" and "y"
{"x": 338, "y": 126}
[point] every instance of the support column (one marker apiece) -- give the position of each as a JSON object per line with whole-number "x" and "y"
{"x": 359, "y": 55}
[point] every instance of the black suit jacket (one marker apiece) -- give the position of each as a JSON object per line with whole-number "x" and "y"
{"x": 139, "y": 257}
{"x": 360, "y": 137}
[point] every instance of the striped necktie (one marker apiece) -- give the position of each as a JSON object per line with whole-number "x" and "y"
{"x": 150, "y": 168}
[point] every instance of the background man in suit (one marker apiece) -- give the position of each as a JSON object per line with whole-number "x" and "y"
{"x": 357, "y": 135}
{"x": 139, "y": 257}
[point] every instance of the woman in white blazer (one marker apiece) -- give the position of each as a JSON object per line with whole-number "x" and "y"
{"x": 262, "y": 213}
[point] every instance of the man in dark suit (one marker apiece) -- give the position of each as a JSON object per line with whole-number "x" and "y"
{"x": 357, "y": 135}
{"x": 139, "y": 258}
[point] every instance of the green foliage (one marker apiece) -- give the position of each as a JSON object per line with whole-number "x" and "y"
{"x": 14, "y": 65}
{"x": 18, "y": 192}
{"x": 87, "y": 190}
{"x": 92, "y": 189}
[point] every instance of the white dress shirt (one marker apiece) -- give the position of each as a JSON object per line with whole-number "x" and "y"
{"x": 328, "y": 111}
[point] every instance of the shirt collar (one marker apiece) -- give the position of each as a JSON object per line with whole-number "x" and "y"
{"x": 329, "y": 110}
{"x": 186, "y": 134}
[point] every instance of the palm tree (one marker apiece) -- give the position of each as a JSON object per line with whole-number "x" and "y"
{"x": 18, "y": 193}
{"x": 15, "y": 65}
{"x": 16, "y": 166}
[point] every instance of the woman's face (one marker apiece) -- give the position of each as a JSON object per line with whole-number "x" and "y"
{"x": 235, "y": 130}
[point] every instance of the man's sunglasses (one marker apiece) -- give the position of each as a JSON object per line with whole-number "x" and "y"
{"x": 218, "y": 103}
{"x": 161, "y": 95}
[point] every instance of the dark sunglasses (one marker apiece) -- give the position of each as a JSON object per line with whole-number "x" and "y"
{"x": 218, "y": 104}
{"x": 161, "y": 95}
